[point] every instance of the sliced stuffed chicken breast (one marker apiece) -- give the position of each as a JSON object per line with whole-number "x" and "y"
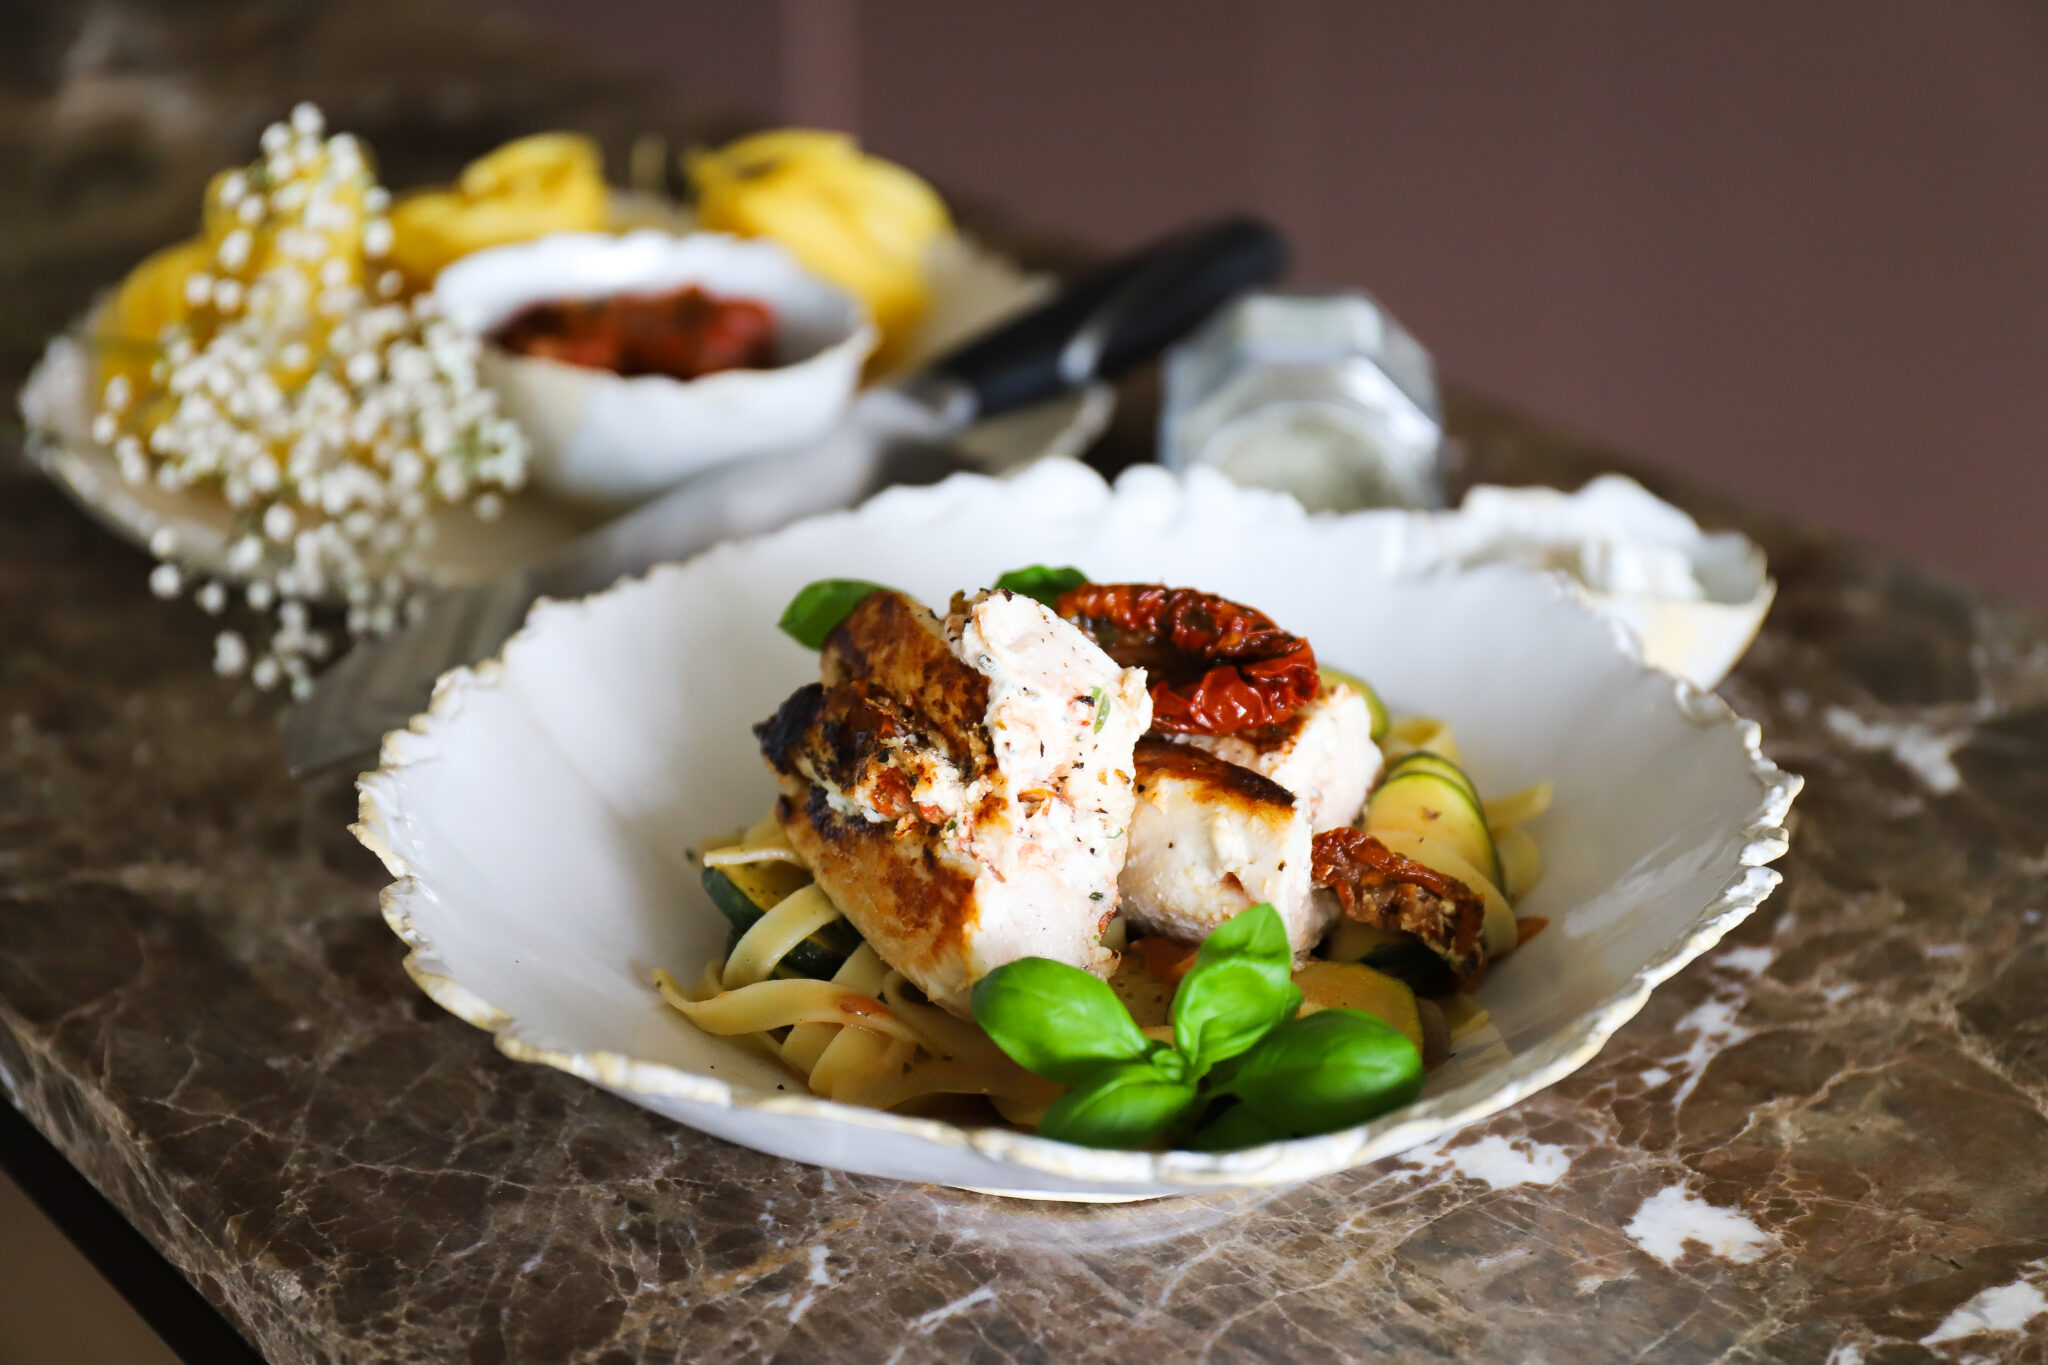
{"x": 1324, "y": 754}
{"x": 962, "y": 787}
{"x": 1210, "y": 838}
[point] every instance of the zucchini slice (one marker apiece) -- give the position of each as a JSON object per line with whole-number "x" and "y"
{"x": 1373, "y": 704}
{"x": 1423, "y": 761}
{"x": 746, "y": 892}
{"x": 1426, "y": 802}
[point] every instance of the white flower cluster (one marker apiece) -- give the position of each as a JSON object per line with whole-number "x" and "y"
{"x": 332, "y": 416}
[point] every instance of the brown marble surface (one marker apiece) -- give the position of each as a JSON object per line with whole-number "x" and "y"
{"x": 1845, "y": 1107}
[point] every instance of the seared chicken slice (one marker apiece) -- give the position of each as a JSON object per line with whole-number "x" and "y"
{"x": 1210, "y": 838}
{"x": 1324, "y": 755}
{"x": 961, "y": 788}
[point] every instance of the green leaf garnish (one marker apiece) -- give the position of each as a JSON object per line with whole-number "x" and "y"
{"x": 1236, "y": 1038}
{"x": 816, "y": 611}
{"x": 1236, "y": 1128}
{"x": 1054, "y": 1020}
{"x": 1125, "y": 1104}
{"x": 1326, "y": 1071}
{"x": 1042, "y": 583}
{"x": 1240, "y": 987}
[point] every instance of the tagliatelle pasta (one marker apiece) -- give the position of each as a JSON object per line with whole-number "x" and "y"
{"x": 863, "y": 1037}
{"x": 795, "y": 919}
{"x": 764, "y": 842}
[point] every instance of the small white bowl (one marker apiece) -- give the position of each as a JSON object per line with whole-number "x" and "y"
{"x": 537, "y": 819}
{"x": 1694, "y": 599}
{"x": 604, "y": 438}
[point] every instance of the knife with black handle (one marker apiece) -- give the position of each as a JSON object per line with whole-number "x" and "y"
{"x": 1096, "y": 327}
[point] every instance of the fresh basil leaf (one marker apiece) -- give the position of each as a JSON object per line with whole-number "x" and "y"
{"x": 1255, "y": 933}
{"x": 1042, "y": 583}
{"x": 1328, "y": 1070}
{"x": 1168, "y": 1062}
{"x": 1056, "y": 1021}
{"x": 1126, "y": 1104}
{"x": 1236, "y": 1128}
{"x": 816, "y": 611}
{"x": 1227, "y": 1010}
{"x": 1240, "y": 987}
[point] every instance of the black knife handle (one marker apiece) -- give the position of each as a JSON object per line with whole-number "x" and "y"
{"x": 1116, "y": 316}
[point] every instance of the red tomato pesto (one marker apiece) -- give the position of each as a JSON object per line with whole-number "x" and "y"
{"x": 683, "y": 333}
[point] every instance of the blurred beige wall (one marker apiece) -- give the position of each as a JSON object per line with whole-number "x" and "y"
{"x": 54, "y": 1307}
{"x": 1795, "y": 250}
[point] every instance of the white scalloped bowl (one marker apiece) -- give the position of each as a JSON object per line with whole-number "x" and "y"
{"x": 615, "y": 439}
{"x": 538, "y": 817}
{"x": 1619, "y": 523}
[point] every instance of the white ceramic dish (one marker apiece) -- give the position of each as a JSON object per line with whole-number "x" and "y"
{"x": 972, "y": 289}
{"x": 615, "y": 440}
{"x": 538, "y": 818}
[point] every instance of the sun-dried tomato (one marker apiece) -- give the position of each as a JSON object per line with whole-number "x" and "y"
{"x": 1216, "y": 666}
{"x": 1378, "y": 886}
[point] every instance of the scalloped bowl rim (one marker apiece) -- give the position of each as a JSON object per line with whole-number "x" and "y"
{"x": 1147, "y": 1173}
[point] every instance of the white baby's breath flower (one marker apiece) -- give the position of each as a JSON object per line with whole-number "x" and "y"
{"x": 279, "y": 521}
{"x": 230, "y": 654}
{"x": 233, "y": 252}
{"x": 332, "y": 419}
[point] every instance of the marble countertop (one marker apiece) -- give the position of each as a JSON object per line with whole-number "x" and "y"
{"x": 1827, "y": 1141}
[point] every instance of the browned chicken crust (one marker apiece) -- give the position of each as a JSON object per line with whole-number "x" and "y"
{"x": 1226, "y": 781}
{"x": 894, "y": 699}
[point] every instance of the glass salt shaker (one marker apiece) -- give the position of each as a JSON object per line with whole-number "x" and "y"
{"x": 1325, "y": 397}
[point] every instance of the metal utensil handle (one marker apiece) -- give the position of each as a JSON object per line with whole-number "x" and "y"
{"x": 1117, "y": 316}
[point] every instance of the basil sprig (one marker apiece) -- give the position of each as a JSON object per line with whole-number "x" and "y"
{"x": 1241, "y": 986}
{"x": 818, "y": 608}
{"x": 1326, "y": 1071}
{"x": 1056, "y": 1021}
{"x": 1243, "y": 1068}
{"x": 1042, "y": 583}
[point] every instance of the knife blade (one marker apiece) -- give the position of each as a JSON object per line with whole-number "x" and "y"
{"x": 1095, "y": 328}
